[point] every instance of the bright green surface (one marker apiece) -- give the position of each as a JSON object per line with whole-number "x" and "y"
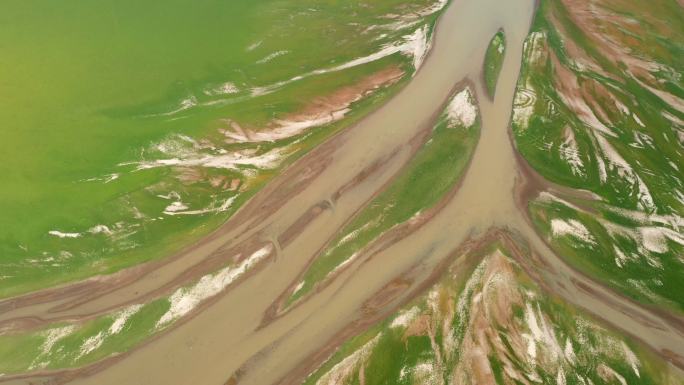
{"x": 87, "y": 86}
{"x": 91, "y": 91}
{"x": 598, "y": 108}
{"x": 490, "y": 324}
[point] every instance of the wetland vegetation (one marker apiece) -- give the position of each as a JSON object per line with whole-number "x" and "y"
{"x": 277, "y": 193}
{"x": 496, "y": 51}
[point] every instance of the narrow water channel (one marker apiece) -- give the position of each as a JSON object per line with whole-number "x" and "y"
{"x": 225, "y": 338}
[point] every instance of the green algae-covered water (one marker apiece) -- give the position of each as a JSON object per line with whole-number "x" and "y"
{"x": 91, "y": 90}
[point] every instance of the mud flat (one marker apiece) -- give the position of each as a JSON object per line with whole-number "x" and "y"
{"x": 308, "y": 204}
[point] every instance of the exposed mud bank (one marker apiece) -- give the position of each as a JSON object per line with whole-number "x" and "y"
{"x": 237, "y": 337}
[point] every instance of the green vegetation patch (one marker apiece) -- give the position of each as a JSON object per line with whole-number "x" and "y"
{"x": 102, "y": 98}
{"x": 597, "y": 109}
{"x": 490, "y": 323}
{"x": 638, "y": 255}
{"x": 494, "y": 57}
{"x": 427, "y": 178}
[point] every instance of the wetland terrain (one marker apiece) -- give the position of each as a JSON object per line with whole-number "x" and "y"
{"x": 342, "y": 192}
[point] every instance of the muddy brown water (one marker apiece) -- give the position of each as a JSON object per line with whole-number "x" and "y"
{"x": 224, "y": 338}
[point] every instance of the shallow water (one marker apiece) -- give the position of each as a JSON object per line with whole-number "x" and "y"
{"x": 222, "y": 339}
{"x": 88, "y": 91}
{"x": 219, "y": 340}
